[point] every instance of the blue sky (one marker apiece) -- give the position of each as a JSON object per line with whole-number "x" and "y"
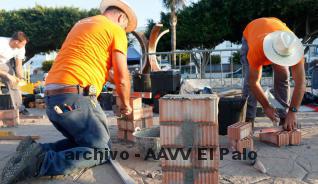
{"x": 145, "y": 9}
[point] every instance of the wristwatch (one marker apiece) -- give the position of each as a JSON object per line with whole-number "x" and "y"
{"x": 293, "y": 109}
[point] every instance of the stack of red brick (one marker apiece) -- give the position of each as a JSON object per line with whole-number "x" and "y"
{"x": 240, "y": 136}
{"x": 9, "y": 118}
{"x": 141, "y": 117}
{"x": 282, "y": 138}
{"x": 189, "y": 124}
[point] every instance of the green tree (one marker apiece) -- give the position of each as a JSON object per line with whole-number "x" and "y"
{"x": 207, "y": 23}
{"x": 46, "y": 27}
{"x": 215, "y": 59}
{"x": 46, "y": 65}
{"x": 235, "y": 57}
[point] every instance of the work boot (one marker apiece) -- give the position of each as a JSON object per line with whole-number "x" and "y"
{"x": 23, "y": 165}
{"x": 24, "y": 144}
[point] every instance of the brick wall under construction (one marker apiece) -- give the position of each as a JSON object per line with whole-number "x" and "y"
{"x": 141, "y": 117}
{"x": 190, "y": 122}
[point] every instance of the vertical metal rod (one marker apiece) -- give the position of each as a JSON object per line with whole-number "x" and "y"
{"x": 222, "y": 79}
{"x": 190, "y": 63}
{"x": 232, "y": 70}
{"x": 180, "y": 62}
{"x": 210, "y": 69}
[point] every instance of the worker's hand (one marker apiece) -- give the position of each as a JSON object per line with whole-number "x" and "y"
{"x": 271, "y": 113}
{"x": 290, "y": 121}
{"x": 13, "y": 81}
{"x": 126, "y": 111}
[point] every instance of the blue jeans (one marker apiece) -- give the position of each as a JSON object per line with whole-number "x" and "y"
{"x": 87, "y": 136}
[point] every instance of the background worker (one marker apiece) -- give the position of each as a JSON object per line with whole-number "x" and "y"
{"x": 93, "y": 46}
{"x": 13, "y": 47}
{"x": 268, "y": 41}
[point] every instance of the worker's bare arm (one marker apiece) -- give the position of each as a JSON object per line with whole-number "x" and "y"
{"x": 122, "y": 80}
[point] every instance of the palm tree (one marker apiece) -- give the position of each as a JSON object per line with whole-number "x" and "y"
{"x": 173, "y": 6}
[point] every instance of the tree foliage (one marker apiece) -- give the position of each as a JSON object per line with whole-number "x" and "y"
{"x": 235, "y": 57}
{"x": 46, "y": 27}
{"x": 46, "y": 65}
{"x": 207, "y": 23}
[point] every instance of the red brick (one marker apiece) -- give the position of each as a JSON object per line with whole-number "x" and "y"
{"x": 201, "y": 158}
{"x": 195, "y": 176}
{"x": 212, "y": 157}
{"x": 179, "y": 162}
{"x": 121, "y": 134}
{"x": 279, "y": 139}
{"x": 137, "y": 114}
{"x": 206, "y": 177}
{"x": 239, "y": 145}
{"x": 269, "y": 130}
{"x": 9, "y": 114}
{"x": 295, "y": 137}
{"x": 193, "y": 108}
{"x": 130, "y": 136}
{"x": 122, "y": 124}
{"x": 135, "y": 102}
{"x": 239, "y": 130}
{"x": 125, "y": 135}
{"x": 143, "y": 123}
{"x": 176, "y": 135}
{"x": 147, "y": 95}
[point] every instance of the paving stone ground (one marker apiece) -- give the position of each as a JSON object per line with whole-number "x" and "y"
{"x": 285, "y": 165}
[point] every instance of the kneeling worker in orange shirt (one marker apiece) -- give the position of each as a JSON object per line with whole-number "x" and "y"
{"x": 93, "y": 46}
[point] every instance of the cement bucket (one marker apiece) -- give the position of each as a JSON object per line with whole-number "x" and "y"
{"x": 148, "y": 140}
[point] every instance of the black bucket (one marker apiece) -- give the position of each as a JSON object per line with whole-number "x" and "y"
{"x": 231, "y": 110}
{"x": 142, "y": 82}
{"x": 5, "y": 102}
{"x": 106, "y": 100}
{"x": 167, "y": 82}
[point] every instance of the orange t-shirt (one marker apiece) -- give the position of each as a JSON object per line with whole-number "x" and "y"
{"x": 85, "y": 56}
{"x": 255, "y": 33}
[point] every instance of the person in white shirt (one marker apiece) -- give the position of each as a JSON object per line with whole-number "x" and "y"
{"x": 13, "y": 48}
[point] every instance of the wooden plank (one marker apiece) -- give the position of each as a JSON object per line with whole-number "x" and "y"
{"x": 122, "y": 173}
{"x": 6, "y": 133}
{"x": 31, "y": 117}
{"x": 16, "y": 137}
